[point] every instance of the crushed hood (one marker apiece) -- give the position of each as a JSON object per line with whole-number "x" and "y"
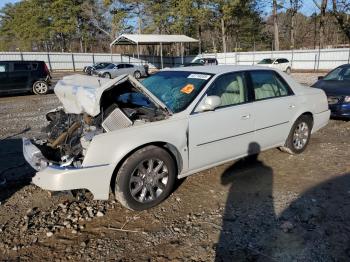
{"x": 82, "y": 94}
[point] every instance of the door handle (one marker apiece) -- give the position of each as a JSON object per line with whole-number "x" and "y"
{"x": 291, "y": 106}
{"x": 245, "y": 117}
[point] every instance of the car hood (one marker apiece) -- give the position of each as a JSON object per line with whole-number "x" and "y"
{"x": 82, "y": 94}
{"x": 335, "y": 88}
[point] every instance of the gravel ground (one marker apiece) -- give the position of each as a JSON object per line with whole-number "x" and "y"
{"x": 277, "y": 207}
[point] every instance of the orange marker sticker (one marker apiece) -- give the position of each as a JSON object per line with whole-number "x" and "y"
{"x": 187, "y": 89}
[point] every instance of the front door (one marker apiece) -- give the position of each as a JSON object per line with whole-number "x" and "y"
{"x": 274, "y": 108}
{"x": 20, "y": 76}
{"x": 226, "y": 132}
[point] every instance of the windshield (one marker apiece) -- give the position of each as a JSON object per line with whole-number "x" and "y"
{"x": 176, "y": 89}
{"x": 334, "y": 75}
{"x": 111, "y": 66}
{"x": 266, "y": 61}
{"x": 100, "y": 65}
{"x": 198, "y": 61}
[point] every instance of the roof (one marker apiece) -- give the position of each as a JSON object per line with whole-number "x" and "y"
{"x": 151, "y": 39}
{"x": 218, "y": 69}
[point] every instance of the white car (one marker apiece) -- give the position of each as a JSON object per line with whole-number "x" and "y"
{"x": 114, "y": 70}
{"x": 141, "y": 137}
{"x": 282, "y": 64}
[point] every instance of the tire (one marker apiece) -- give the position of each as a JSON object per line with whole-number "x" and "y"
{"x": 139, "y": 187}
{"x": 107, "y": 75}
{"x": 288, "y": 70}
{"x": 137, "y": 74}
{"x": 299, "y": 136}
{"x": 40, "y": 88}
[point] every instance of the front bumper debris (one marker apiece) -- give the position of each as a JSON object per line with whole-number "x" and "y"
{"x": 33, "y": 155}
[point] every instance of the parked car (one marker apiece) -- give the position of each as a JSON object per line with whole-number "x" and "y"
{"x": 282, "y": 64}
{"x": 141, "y": 137}
{"x": 203, "y": 61}
{"x": 89, "y": 69}
{"x": 24, "y": 76}
{"x": 336, "y": 85}
{"x": 114, "y": 70}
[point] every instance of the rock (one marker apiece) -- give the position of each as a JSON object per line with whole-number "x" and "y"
{"x": 74, "y": 231}
{"x": 287, "y": 226}
{"x": 100, "y": 214}
{"x": 49, "y": 234}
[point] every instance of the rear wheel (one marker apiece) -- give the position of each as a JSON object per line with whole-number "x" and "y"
{"x": 40, "y": 88}
{"x": 137, "y": 74}
{"x": 145, "y": 179}
{"x": 299, "y": 135}
{"x": 288, "y": 70}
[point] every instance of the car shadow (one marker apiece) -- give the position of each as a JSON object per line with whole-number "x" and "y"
{"x": 314, "y": 227}
{"x": 15, "y": 173}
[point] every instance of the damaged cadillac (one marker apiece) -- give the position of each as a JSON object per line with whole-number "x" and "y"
{"x": 136, "y": 138}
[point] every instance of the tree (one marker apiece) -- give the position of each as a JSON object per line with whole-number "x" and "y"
{"x": 295, "y": 5}
{"x": 341, "y": 11}
{"x": 275, "y": 26}
{"x": 322, "y": 7}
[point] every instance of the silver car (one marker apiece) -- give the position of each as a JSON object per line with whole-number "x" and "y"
{"x": 140, "y": 137}
{"x": 114, "y": 70}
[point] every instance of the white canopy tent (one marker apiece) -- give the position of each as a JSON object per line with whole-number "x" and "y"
{"x": 153, "y": 39}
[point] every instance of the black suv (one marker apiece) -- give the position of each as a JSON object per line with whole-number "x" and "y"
{"x": 24, "y": 76}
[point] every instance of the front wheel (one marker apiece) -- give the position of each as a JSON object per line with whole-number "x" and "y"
{"x": 288, "y": 70}
{"x": 145, "y": 179}
{"x": 107, "y": 75}
{"x": 299, "y": 136}
{"x": 40, "y": 88}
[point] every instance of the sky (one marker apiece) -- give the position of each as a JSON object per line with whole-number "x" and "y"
{"x": 4, "y": 2}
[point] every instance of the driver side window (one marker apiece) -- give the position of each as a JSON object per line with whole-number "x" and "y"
{"x": 231, "y": 88}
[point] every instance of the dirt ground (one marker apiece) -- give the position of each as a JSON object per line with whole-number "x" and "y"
{"x": 275, "y": 208}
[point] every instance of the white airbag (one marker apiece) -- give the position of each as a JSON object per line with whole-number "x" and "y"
{"x": 81, "y": 94}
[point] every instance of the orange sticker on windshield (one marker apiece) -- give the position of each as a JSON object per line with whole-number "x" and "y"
{"x": 187, "y": 89}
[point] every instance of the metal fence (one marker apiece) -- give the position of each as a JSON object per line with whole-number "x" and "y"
{"x": 319, "y": 59}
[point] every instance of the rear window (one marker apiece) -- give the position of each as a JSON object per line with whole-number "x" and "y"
{"x": 35, "y": 66}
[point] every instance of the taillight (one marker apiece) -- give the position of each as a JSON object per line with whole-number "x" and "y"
{"x": 46, "y": 69}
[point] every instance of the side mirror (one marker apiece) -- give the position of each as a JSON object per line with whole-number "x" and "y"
{"x": 276, "y": 62}
{"x": 320, "y": 77}
{"x": 209, "y": 104}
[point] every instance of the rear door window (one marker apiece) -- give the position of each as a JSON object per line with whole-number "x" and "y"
{"x": 21, "y": 67}
{"x": 268, "y": 84}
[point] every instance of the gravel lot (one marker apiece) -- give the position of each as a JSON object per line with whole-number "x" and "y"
{"x": 275, "y": 208}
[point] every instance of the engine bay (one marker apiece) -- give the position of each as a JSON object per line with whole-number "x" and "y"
{"x": 66, "y": 138}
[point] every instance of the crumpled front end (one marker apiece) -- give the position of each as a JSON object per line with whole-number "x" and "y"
{"x": 58, "y": 152}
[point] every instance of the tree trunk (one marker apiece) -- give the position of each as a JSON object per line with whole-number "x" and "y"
{"x": 292, "y": 31}
{"x": 322, "y": 22}
{"x": 199, "y": 39}
{"x": 223, "y": 33}
{"x": 275, "y": 27}
{"x": 140, "y": 24}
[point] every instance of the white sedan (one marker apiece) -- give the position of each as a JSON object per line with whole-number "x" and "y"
{"x": 138, "y": 138}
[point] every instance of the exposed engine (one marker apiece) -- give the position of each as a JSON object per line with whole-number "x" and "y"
{"x": 66, "y": 138}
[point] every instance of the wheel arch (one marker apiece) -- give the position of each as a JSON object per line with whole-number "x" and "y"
{"x": 170, "y": 148}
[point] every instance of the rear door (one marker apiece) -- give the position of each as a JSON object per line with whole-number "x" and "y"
{"x": 4, "y": 80}
{"x": 20, "y": 75}
{"x": 273, "y": 109}
{"x": 129, "y": 69}
{"x": 228, "y": 131}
